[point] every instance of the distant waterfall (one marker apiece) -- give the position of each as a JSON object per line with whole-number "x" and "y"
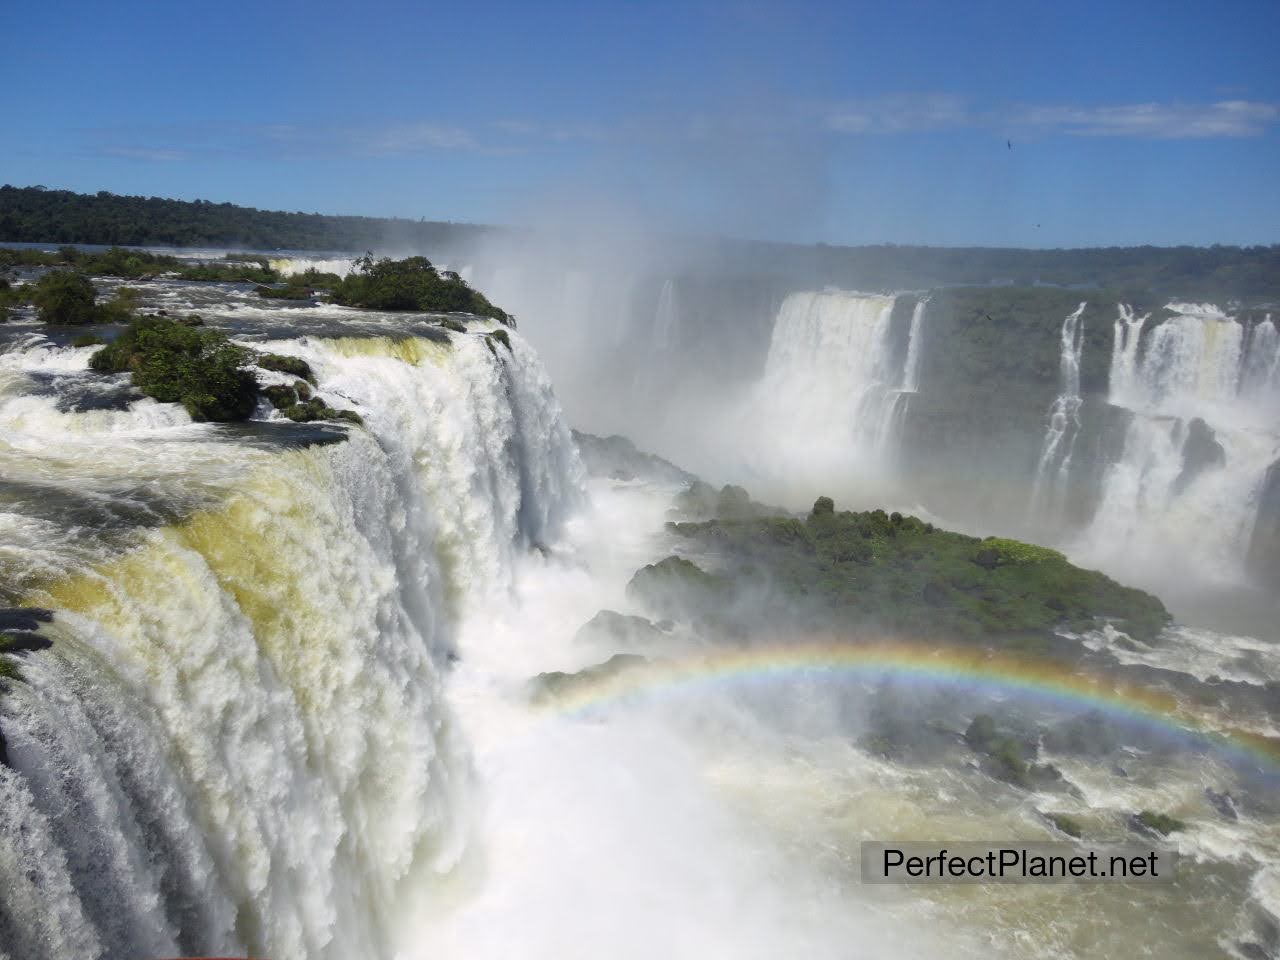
{"x": 1203, "y": 431}
{"x": 665, "y": 318}
{"x": 911, "y": 369}
{"x": 835, "y": 383}
{"x": 1053, "y": 470}
{"x": 237, "y": 742}
{"x": 1262, "y": 364}
{"x": 1124, "y": 353}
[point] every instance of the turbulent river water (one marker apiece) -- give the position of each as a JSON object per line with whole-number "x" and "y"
{"x": 286, "y": 711}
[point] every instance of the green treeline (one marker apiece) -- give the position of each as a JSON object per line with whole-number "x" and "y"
{"x": 37, "y": 215}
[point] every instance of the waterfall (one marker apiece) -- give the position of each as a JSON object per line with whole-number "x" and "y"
{"x": 1262, "y": 366}
{"x": 911, "y": 368}
{"x": 237, "y": 742}
{"x": 835, "y": 385}
{"x": 292, "y": 266}
{"x": 1202, "y": 433}
{"x": 1124, "y": 353}
{"x": 1053, "y": 470}
{"x": 665, "y": 318}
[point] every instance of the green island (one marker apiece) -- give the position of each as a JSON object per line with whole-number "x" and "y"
{"x": 900, "y": 575}
{"x": 411, "y": 284}
{"x": 177, "y": 362}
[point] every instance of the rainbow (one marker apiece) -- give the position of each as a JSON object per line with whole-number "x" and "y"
{"x": 1048, "y": 682}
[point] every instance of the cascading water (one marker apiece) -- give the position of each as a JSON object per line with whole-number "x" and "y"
{"x": 665, "y": 318}
{"x": 1053, "y": 470}
{"x": 1124, "y": 354}
{"x": 1202, "y": 433}
{"x": 911, "y": 367}
{"x": 834, "y": 389}
{"x": 292, "y": 266}
{"x": 238, "y": 741}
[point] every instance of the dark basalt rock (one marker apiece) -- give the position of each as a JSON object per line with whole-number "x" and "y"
{"x": 1201, "y": 451}
{"x": 23, "y": 618}
{"x": 1154, "y": 824}
{"x": 1264, "y": 545}
{"x": 608, "y": 627}
{"x": 557, "y": 683}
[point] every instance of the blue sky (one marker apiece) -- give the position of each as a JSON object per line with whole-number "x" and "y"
{"x": 1139, "y": 122}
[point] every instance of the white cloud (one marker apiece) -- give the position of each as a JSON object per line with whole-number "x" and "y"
{"x": 413, "y": 138}
{"x": 909, "y": 113}
{"x": 151, "y": 154}
{"x": 900, "y": 113}
{"x": 1159, "y": 121}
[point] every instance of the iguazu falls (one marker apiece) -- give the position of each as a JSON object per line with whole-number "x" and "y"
{"x": 717, "y": 481}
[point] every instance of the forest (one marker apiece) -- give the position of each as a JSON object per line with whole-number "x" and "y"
{"x": 1220, "y": 273}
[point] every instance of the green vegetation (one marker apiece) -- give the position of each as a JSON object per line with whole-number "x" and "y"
{"x": 556, "y": 683}
{"x": 176, "y": 363}
{"x": 9, "y": 669}
{"x": 308, "y": 410}
{"x": 1158, "y": 823}
{"x": 65, "y": 298}
{"x": 1066, "y": 823}
{"x": 293, "y": 366}
{"x": 10, "y": 298}
{"x": 297, "y": 404}
{"x": 68, "y": 298}
{"x": 300, "y": 286}
{"x": 115, "y": 262}
{"x": 120, "y": 308}
{"x": 87, "y": 340}
{"x": 676, "y": 586}
{"x": 497, "y": 337}
{"x": 37, "y": 215}
{"x": 898, "y": 574}
{"x": 140, "y": 265}
{"x": 1007, "y": 757}
{"x": 229, "y": 273}
{"x": 411, "y": 284}
{"x": 700, "y": 500}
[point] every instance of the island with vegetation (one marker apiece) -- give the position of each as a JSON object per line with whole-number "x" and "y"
{"x": 893, "y": 575}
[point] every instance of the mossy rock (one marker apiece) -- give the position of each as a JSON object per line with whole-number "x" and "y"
{"x": 303, "y": 389}
{"x": 555, "y": 684}
{"x": 1065, "y": 823}
{"x": 315, "y": 409}
{"x": 677, "y": 587}
{"x": 496, "y": 337}
{"x": 280, "y": 396}
{"x": 87, "y": 340}
{"x": 1158, "y": 824}
{"x": 457, "y": 326}
{"x": 293, "y": 366}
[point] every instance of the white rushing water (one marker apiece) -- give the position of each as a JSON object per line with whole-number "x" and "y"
{"x": 238, "y": 742}
{"x": 829, "y": 404}
{"x": 1053, "y": 470}
{"x": 1157, "y": 507}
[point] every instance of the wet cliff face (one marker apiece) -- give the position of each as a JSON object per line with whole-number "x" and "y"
{"x": 1264, "y": 543}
